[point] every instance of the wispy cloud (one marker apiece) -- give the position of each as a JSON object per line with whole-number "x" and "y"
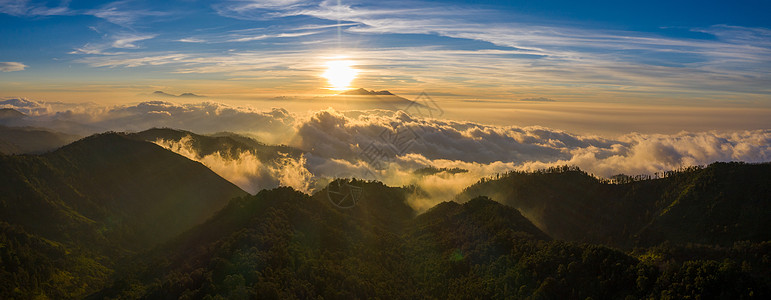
{"x": 119, "y": 12}
{"x": 25, "y": 8}
{"x": 123, "y": 13}
{"x": 737, "y": 59}
{"x": 134, "y": 60}
{"x": 191, "y": 40}
{"x": 11, "y": 66}
{"x": 459, "y": 48}
{"x": 127, "y": 41}
{"x": 118, "y": 41}
{"x": 268, "y": 36}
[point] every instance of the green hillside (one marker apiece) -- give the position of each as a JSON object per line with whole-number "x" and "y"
{"x": 719, "y": 204}
{"x": 105, "y": 197}
{"x": 116, "y": 216}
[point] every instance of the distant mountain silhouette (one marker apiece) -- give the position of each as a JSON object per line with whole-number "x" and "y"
{"x": 10, "y": 114}
{"x": 18, "y": 140}
{"x": 364, "y": 92}
{"x": 363, "y": 99}
{"x": 183, "y": 95}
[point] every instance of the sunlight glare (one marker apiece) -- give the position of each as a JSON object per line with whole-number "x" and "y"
{"x": 339, "y": 74}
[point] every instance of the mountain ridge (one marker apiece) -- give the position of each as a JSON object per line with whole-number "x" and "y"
{"x": 572, "y": 205}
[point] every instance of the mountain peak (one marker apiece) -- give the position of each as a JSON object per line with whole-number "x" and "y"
{"x": 10, "y": 113}
{"x": 183, "y": 95}
{"x": 365, "y": 92}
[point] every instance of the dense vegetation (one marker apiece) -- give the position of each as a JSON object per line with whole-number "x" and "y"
{"x": 115, "y": 216}
{"x": 97, "y": 201}
{"x": 282, "y": 244}
{"x": 718, "y": 204}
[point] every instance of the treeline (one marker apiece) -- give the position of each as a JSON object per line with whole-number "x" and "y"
{"x": 113, "y": 216}
{"x": 286, "y": 245}
{"x": 718, "y": 204}
{"x": 615, "y": 179}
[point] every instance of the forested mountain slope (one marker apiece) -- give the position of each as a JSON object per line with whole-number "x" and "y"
{"x": 100, "y": 199}
{"x": 719, "y": 204}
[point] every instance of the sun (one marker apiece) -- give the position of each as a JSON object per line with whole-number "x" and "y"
{"x": 339, "y": 74}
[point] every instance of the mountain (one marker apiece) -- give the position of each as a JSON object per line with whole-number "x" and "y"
{"x": 115, "y": 216}
{"x": 227, "y": 144}
{"x": 99, "y": 200}
{"x": 10, "y": 114}
{"x": 115, "y": 181}
{"x": 364, "y": 92}
{"x": 18, "y": 140}
{"x": 280, "y": 244}
{"x": 362, "y": 99}
{"x": 720, "y": 204}
{"x": 283, "y": 244}
{"x": 183, "y": 95}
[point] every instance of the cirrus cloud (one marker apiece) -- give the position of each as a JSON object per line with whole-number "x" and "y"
{"x": 11, "y": 66}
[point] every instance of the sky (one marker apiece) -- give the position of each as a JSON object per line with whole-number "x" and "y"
{"x": 483, "y": 55}
{"x": 609, "y": 86}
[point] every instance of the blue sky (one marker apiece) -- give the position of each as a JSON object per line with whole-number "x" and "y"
{"x": 668, "y": 52}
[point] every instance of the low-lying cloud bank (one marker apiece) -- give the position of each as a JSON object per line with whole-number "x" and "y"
{"x": 246, "y": 170}
{"x": 204, "y": 117}
{"x": 390, "y": 145}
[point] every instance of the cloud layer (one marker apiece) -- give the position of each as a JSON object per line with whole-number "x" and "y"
{"x": 390, "y": 145}
{"x": 11, "y": 66}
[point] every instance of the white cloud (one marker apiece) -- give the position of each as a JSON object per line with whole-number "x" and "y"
{"x": 389, "y": 146}
{"x": 11, "y": 66}
{"x": 122, "y": 13}
{"x": 128, "y": 40}
{"x": 270, "y": 36}
{"x": 25, "y": 8}
{"x": 737, "y": 60}
{"x": 191, "y": 40}
{"x": 247, "y": 171}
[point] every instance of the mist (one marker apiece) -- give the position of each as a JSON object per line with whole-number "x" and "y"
{"x": 389, "y": 145}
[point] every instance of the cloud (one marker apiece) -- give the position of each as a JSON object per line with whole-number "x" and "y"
{"x": 206, "y": 117}
{"x": 270, "y": 36}
{"x": 539, "y": 99}
{"x": 191, "y": 40}
{"x": 134, "y": 59}
{"x": 25, "y": 8}
{"x": 247, "y": 171}
{"x": 357, "y": 147}
{"x": 389, "y": 146}
{"x": 127, "y": 40}
{"x": 26, "y": 106}
{"x": 11, "y": 66}
{"x": 736, "y": 60}
{"x": 120, "y": 41}
{"x": 122, "y": 13}
{"x": 457, "y": 144}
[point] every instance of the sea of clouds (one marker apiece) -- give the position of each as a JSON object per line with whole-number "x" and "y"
{"x": 390, "y": 145}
